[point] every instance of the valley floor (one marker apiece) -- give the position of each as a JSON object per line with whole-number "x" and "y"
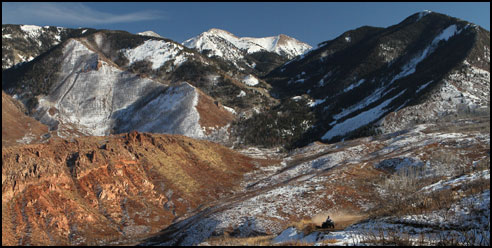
{"x": 429, "y": 185}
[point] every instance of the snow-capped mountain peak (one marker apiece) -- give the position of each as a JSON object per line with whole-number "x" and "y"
{"x": 150, "y": 33}
{"x": 219, "y": 32}
{"x": 224, "y": 44}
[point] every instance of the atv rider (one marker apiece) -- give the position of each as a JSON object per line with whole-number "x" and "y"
{"x": 328, "y": 223}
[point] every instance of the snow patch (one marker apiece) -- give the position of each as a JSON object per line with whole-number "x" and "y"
{"x": 353, "y": 86}
{"x": 316, "y": 102}
{"x": 423, "y": 86}
{"x": 31, "y": 30}
{"x": 292, "y": 234}
{"x": 359, "y": 120}
{"x": 158, "y": 52}
{"x": 229, "y": 109}
{"x": 444, "y": 184}
{"x": 411, "y": 66}
{"x": 241, "y": 94}
{"x": 250, "y": 80}
{"x": 150, "y": 33}
{"x": 423, "y": 13}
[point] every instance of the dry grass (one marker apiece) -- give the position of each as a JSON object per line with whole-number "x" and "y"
{"x": 451, "y": 123}
{"x": 235, "y": 241}
{"x": 294, "y": 243}
{"x": 329, "y": 241}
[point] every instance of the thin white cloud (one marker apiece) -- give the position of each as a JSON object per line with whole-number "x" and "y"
{"x": 69, "y": 13}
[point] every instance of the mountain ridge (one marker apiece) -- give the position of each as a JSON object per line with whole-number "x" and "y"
{"x": 368, "y": 72}
{"x": 387, "y": 130}
{"x": 238, "y": 50}
{"x": 270, "y": 43}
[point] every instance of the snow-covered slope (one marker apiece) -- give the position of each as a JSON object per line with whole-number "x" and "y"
{"x": 158, "y": 52}
{"x": 464, "y": 90}
{"x": 173, "y": 111}
{"x": 93, "y": 96}
{"x": 133, "y": 68}
{"x": 217, "y": 42}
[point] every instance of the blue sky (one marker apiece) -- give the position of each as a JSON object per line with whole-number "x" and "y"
{"x": 312, "y": 22}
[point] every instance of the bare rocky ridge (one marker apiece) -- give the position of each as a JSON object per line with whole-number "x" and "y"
{"x": 94, "y": 190}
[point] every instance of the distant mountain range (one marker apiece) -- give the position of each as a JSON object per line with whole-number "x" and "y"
{"x": 240, "y": 50}
{"x": 268, "y": 91}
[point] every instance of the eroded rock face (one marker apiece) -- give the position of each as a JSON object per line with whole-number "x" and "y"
{"x": 94, "y": 190}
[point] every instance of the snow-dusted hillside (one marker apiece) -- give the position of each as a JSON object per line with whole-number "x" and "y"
{"x": 158, "y": 52}
{"x": 351, "y": 180}
{"x": 173, "y": 111}
{"x": 30, "y": 34}
{"x": 369, "y": 74}
{"x": 93, "y": 96}
{"x": 123, "y": 70}
{"x": 464, "y": 90}
{"x": 217, "y": 42}
{"x": 22, "y": 43}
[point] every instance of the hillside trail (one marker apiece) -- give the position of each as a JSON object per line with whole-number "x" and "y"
{"x": 341, "y": 219}
{"x": 180, "y": 224}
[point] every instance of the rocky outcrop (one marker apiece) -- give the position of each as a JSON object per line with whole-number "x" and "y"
{"x": 94, "y": 190}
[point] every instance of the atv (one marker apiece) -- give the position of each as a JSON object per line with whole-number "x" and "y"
{"x": 327, "y": 225}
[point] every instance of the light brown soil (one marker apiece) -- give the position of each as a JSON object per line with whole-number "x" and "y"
{"x": 212, "y": 114}
{"x": 340, "y": 218}
{"x": 16, "y": 125}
